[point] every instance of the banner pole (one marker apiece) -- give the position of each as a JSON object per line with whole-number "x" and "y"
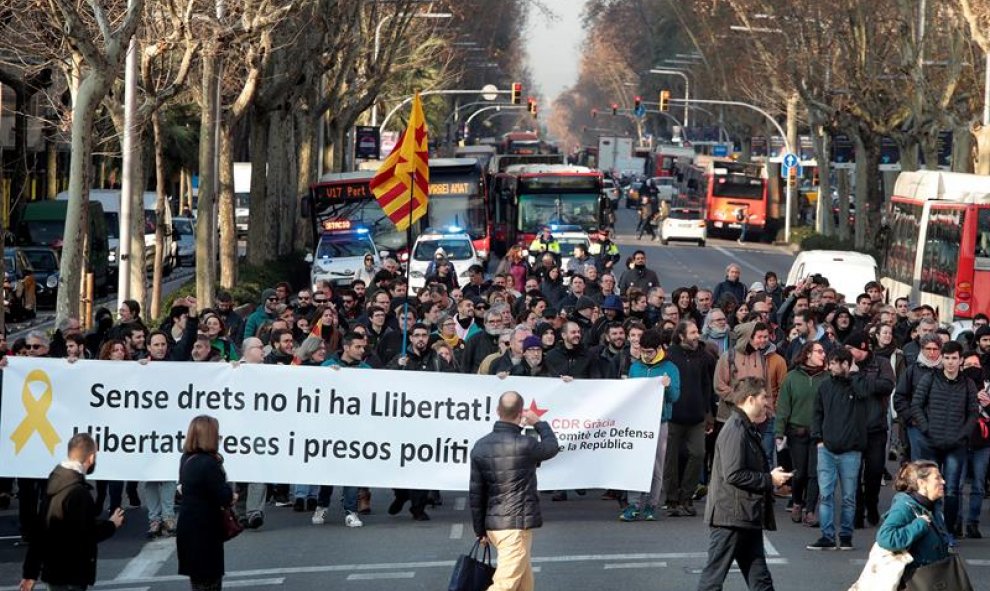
{"x": 409, "y": 245}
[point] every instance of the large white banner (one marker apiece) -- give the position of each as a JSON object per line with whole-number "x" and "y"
{"x": 315, "y": 425}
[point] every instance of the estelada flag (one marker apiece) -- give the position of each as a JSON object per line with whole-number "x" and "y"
{"x": 408, "y": 161}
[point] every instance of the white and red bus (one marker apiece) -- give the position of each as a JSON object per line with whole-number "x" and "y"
{"x": 938, "y": 244}
{"x": 458, "y": 199}
{"x": 528, "y": 196}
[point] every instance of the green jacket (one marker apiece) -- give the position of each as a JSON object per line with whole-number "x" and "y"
{"x": 796, "y": 403}
{"x": 902, "y": 529}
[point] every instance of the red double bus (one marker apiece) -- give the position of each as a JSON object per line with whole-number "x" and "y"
{"x": 938, "y": 244}
{"x": 528, "y": 196}
{"x": 734, "y": 193}
{"x": 458, "y": 199}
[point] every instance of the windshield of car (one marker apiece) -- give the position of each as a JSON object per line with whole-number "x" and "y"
{"x": 184, "y": 227}
{"x": 42, "y": 260}
{"x": 344, "y": 245}
{"x": 580, "y": 209}
{"x": 456, "y": 249}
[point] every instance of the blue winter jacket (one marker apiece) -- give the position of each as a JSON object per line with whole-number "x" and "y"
{"x": 665, "y": 367}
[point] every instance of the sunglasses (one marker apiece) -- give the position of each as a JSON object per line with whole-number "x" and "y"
{"x": 34, "y": 347}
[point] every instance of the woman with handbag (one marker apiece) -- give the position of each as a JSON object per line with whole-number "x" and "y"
{"x": 206, "y": 499}
{"x": 914, "y": 524}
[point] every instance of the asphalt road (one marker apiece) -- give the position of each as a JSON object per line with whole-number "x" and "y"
{"x": 582, "y": 545}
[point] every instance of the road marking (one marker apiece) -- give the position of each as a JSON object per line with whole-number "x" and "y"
{"x": 735, "y": 569}
{"x": 125, "y": 589}
{"x": 770, "y": 549}
{"x": 251, "y": 582}
{"x": 378, "y": 576}
{"x": 977, "y": 562}
{"x": 460, "y": 503}
{"x": 456, "y": 531}
{"x": 623, "y": 565}
{"x": 10, "y": 537}
{"x": 737, "y": 259}
{"x": 147, "y": 563}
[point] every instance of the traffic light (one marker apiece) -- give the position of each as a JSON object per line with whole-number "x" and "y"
{"x": 637, "y": 101}
{"x": 594, "y": 113}
{"x": 664, "y": 100}
{"x": 516, "y": 93}
{"x": 531, "y": 105}
{"x": 615, "y": 108}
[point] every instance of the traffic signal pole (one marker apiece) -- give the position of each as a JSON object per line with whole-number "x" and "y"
{"x": 788, "y": 146}
{"x": 409, "y": 99}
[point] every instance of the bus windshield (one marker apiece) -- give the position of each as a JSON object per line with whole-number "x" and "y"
{"x": 580, "y": 209}
{"x": 368, "y": 214}
{"x": 457, "y": 202}
{"x": 738, "y": 186}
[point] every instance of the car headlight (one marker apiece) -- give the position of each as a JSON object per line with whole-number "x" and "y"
{"x": 417, "y": 274}
{"x": 52, "y": 281}
{"x": 482, "y": 254}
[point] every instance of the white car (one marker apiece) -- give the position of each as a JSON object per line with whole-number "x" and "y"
{"x": 684, "y": 223}
{"x": 847, "y": 272}
{"x": 457, "y": 247}
{"x": 340, "y": 253}
{"x": 184, "y": 236}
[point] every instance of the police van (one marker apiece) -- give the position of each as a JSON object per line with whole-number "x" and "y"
{"x": 340, "y": 252}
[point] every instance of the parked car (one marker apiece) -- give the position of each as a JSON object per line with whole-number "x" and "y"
{"x": 19, "y": 286}
{"x": 45, "y": 262}
{"x": 847, "y": 272}
{"x": 184, "y": 233}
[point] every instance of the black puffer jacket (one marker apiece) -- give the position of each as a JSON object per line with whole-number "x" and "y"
{"x": 906, "y": 385}
{"x": 575, "y": 362}
{"x": 503, "y": 477}
{"x": 696, "y": 368}
{"x": 882, "y": 382}
{"x": 741, "y": 491}
{"x": 945, "y": 410}
{"x": 65, "y": 551}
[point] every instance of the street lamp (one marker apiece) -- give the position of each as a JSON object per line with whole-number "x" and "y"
{"x": 378, "y": 40}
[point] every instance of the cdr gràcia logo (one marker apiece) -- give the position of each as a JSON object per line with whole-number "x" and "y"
{"x": 600, "y": 423}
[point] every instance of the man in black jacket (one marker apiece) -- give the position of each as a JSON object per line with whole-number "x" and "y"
{"x": 838, "y": 426}
{"x": 945, "y": 408}
{"x": 875, "y": 454}
{"x": 691, "y": 417}
{"x": 505, "y": 507}
{"x": 639, "y": 276}
{"x": 63, "y": 554}
{"x": 570, "y": 358}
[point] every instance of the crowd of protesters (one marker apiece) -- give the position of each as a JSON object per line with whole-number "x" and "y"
{"x": 852, "y": 381}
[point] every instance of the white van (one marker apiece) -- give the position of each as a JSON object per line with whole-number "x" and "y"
{"x": 847, "y": 272}
{"x": 110, "y": 200}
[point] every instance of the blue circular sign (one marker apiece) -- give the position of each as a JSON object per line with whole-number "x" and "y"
{"x": 790, "y": 160}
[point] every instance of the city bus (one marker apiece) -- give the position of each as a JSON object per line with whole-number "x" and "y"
{"x": 523, "y": 143}
{"x": 528, "y": 196}
{"x": 457, "y": 199}
{"x": 938, "y": 244}
{"x": 347, "y": 196}
{"x": 733, "y": 192}
{"x": 670, "y": 160}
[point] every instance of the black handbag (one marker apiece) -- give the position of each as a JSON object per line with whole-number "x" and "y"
{"x": 470, "y": 573}
{"x": 948, "y": 574}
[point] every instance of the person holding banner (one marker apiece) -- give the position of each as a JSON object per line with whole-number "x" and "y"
{"x": 205, "y": 491}
{"x": 740, "y": 493}
{"x": 505, "y": 507}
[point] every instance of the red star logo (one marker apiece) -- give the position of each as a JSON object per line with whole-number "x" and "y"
{"x": 420, "y": 134}
{"x": 539, "y": 411}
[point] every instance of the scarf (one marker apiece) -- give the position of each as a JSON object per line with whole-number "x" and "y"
{"x": 454, "y": 341}
{"x": 812, "y": 371}
{"x": 661, "y": 354}
{"x": 923, "y": 500}
{"x": 924, "y": 362}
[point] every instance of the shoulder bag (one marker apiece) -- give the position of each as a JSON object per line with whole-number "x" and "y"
{"x": 883, "y": 570}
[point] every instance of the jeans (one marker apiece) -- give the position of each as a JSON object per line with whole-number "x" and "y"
{"x": 769, "y": 444}
{"x": 745, "y": 547}
{"x": 920, "y": 450}
{"x": 160, "y": 499}
{"x": 350, "y": 497}
{"x": 305, "y": 491}
{"x": 692, "y": 437}
{"x": 977, "y": 459}
{"x": 843, "y": 468}
{"x": 952, "y": 464}
{"x": 804, "y": 486}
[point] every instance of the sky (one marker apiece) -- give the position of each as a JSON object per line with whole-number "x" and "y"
{"x": 554, "y": 48}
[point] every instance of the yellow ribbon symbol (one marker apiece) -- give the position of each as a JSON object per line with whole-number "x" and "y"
{"x": 36, "y": 420}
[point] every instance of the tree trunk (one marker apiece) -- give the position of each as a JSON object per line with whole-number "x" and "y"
{"x": 869, "y": 202}
{"x": 225, "y": 211}
{"x": 338, "y": 139}
{"x": 908, "y": 147}
{"x": 844, "y": 205}
{"x": 962, "y": 150}
{"x": 138, "y": 258}
{"x": 160, "y": 180}
{"x": 823, "y": 208}
{"x": 306, "y": 142}
{"x": 981, "y": 164}
{"x": 90, "y": 92}
{"x": 19, "y": 179}
{"x": 279, "y": 184}
{"x": 51, "y": 168}
{"x": 205, "y": 254}
{"x": 260, "y": 249}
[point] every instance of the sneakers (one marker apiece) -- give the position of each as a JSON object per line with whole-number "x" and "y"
{"x": 395, "y": 506}
{"x": 674, "y": 510}
{"x": 320, "y": 516}
{"x": 154, "y": 529}
{"x": 630, "y": 513}
{"x": 255, "y": 520}
{"x": 649, "y": 514}
{"x": 168, "y": 527}
{"x": 823, "y": 543}
{"x": 350, "y": 520}
{"x": 973, "y": 531}
{"x": 845, "y": 543}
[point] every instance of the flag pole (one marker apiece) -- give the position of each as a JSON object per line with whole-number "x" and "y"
{"x": 409, "y": 245}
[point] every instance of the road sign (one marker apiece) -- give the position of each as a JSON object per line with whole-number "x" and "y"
{"x": 489, "y": 92}
{"x": 790, "y": 161}
{"x": 720, "y": 151}
{"x": 640, "y": 111}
